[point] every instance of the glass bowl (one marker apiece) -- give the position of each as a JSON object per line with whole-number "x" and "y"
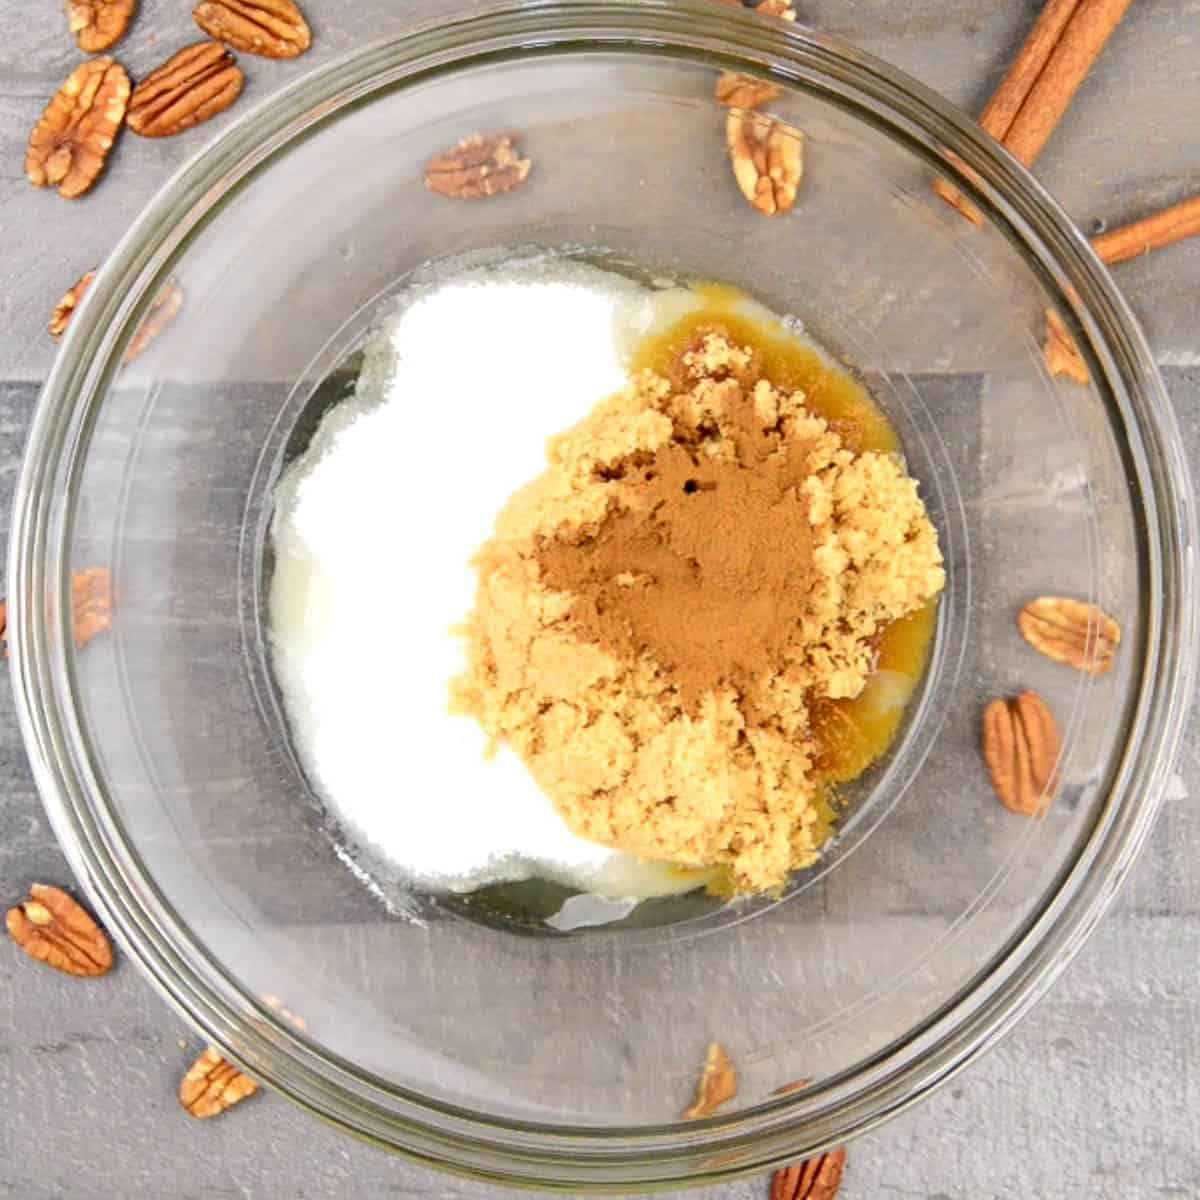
{"x": 934, "y": 920}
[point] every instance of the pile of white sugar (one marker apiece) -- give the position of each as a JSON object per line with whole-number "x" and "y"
{"x": 373, "y": 533}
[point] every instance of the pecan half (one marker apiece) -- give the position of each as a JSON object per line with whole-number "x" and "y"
{"x": 272, "y": 28}
{"x": 1021, "y": 745}
{"x": 92, "y": 605}
{"x": 814, "y": 1179}
{"x": 717, "y": 1086}
{"x": 274, "y": 1002}
{"x": 743, "y": 91}
{"x": 479, "y": 165}
{"x": 99, "y": 24}
{"x": 767, "y": 157}
{"x": 777, "y": 8}
{"x": 92, "y": 601}
{"x": 788, "y": 1088}
{"x": 70, "y": 142}
{"x": 191, "y": 86}
{"x": 64, "y": 310}
{"x": 55, "y": 929}
{"x": 163, "y": 310}
{"x": 1073, "y": 632}
{"x": 213, "y": 1084}
{"x": 1060, "y": 351}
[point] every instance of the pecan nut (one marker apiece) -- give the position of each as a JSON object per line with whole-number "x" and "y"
{"x": 743, "y": 91}
{"x": 163, "y": 310}
{"x": 1073, "y": 632}
{"x": 92, "y": 603}
{"x": 55, "y": 929}
{"x": 479, "y": 165}
{"x": 717, "y": 1086}
{"x": 274, "y": 1003}
{"x": 91, "y": 606}
{"x": 1060, "y": 351}
{"x": 272, "y": 28}
{"x": 99, "y": 24}
{"x": 64, "y": 310}
{"x": 213, "y": 1084}
{"x": 777, "y": 8}
{"x": 191, "y": 86}
{"x": 767, "y": 157}
{"x": 69, "y": 144}
{"x": 1021, "y": 745}
{"x": 768, "y": 8}
{"x": 817, "y": 1178}
{"x": 788, "y": 1088}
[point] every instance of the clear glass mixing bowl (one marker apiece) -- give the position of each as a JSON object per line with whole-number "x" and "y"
{"x": 936, "y": 919}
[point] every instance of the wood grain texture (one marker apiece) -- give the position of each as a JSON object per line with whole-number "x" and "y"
{"x": 1095, "y": 1097}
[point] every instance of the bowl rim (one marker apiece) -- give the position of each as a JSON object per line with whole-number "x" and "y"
{"x": 524, "y": 1153}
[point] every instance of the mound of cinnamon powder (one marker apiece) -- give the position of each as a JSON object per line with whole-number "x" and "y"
{"x": 654, "y": 613}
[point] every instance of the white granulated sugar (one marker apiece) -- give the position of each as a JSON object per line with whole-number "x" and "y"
{"x": 373, "y": 533}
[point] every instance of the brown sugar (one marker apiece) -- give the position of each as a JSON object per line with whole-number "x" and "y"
{"x": 702, "y": 562}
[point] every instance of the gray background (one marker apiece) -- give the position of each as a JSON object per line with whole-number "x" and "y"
{"x": 1098, "y": 1092}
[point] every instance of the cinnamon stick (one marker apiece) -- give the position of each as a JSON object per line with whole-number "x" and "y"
{"x": 1058, "y": 53}
{"x": 1126, "y": 241}
{"x": 1151, "y": 233}
{"x": 998, "y": 116}
{"x": 1083, "y": 38}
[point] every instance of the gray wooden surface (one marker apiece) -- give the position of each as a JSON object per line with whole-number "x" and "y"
{"x": 1097, "y": 1094}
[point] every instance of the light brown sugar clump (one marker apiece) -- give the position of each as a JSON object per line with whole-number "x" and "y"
{"x": 700, "y": 560}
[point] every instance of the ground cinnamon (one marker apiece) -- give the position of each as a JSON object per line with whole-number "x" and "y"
{"x": 710, "y": 572}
